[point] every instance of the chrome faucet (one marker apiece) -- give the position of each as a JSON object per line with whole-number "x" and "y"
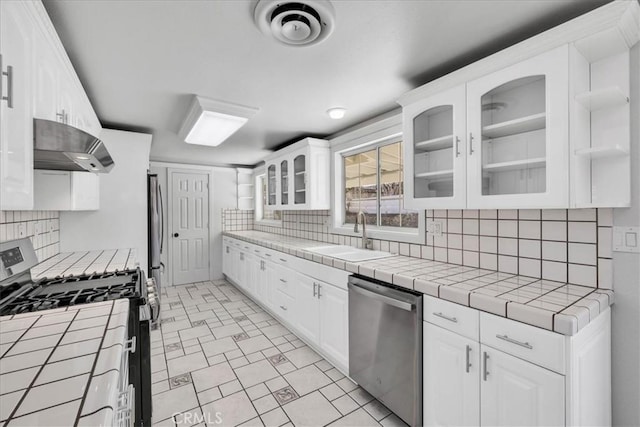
{"x": 366, "y": 243}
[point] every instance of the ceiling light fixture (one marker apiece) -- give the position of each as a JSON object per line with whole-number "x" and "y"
{"x": 210, "y": 122}
{"x": 295, "y": 23}
{"x": 336, "y": 113}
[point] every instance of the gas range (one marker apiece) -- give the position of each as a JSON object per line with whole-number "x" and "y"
{"x": 65, "y": 291}
{"x": 20, "y": 294}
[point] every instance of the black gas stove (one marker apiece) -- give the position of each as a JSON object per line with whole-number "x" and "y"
{"x": 20, "y": 294}
{"x": 65, "y": 291}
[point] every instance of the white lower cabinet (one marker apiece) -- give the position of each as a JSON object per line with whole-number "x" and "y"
{"x": 307, "y": 307}
{"x": 451, "y": 378}
{"x": 323, "y": 316}
{"x": 334, "y": 322}
{"x": 318, "y": 311}
{"x": 515, "y": 392}
{"x": 481, "y": 369}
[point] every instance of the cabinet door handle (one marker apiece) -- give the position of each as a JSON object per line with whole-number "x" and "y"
{"x": 283, "y": 281}
{"x": 485, "y": 372}
{"x": 283, "y": 260}
{"x": 227, "y": 249}
{"x": 319, "y": 286}
{"x": 457, "y": 147}
{"x": 9, "y": 74}
{"x": 314, "y": 288}
{"x": 283, "y": 307}
{"x": 442, "y": 316}
{"x": 468, "y": 358}
{"x": 268, "y": 254}
{"x": 516, "y": 342}
{"x": 470, "y": 143}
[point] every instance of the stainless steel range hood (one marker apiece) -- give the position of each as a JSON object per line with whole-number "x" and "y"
{"x": 59, "y": 146}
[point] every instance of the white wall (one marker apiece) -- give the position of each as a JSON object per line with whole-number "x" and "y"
{"x": 222, "y": 195}
{"x": 121, "y": 221}
{"x": 626, "y": 284}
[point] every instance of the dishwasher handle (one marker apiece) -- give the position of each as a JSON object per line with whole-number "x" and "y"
{"x": 403, "y": 305}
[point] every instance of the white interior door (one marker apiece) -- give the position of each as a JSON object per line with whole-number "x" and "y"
{"x": 190, "y": 227}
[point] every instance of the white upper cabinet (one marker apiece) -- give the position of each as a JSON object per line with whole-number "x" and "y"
{"x": 245, "y": 189}
{"x": 16, "y": 131}
{"x": 58, "y": 94}
{"x": 518, "y": 128}
{"x": 298, "y": 176}
{"x": 434, "y": 157}
{"x": 39, "y": 82}
{"x": 542, "y": 124}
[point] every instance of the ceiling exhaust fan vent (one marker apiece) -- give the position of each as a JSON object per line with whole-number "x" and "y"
{"x": 295, "y": 23}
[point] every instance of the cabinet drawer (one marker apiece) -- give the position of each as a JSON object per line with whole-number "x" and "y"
{"x": 284, "y": 305}
{"x": 539, "y": 346}
{"x": 283, "y": 279}
{"x": 453, "y": 317}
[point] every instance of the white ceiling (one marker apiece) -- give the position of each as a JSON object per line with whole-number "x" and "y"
{"x": 140, "y": 60}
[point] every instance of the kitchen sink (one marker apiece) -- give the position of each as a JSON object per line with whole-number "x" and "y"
{"x": 348, "y": 253}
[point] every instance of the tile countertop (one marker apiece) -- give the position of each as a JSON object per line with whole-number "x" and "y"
{"x": 61, "y": 366}
{"x": 86, "y": 262}
{"x": 559, "y": 307}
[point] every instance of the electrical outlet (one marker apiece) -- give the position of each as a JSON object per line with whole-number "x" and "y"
{"x": 22, "y": 230}
{"x": 435, "y": 227}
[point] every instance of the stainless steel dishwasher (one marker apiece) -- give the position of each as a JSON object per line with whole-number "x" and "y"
{"x": 385, "y": 345}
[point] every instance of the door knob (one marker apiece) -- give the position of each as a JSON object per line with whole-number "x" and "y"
{"x": 175, "y": 234}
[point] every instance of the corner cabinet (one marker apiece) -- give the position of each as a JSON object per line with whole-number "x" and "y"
{"x": 298, "y": 176}
{"x": 518, "y": 143}
{"x": 542, "y": 124}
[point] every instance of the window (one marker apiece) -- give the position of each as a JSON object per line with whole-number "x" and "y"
{"x": 373, "y": 184}
{"x": 263, "y": 214}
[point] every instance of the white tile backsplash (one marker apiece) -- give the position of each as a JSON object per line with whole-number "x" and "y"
{"x": 556, "y": 244}
{"x": 43, "y": 227}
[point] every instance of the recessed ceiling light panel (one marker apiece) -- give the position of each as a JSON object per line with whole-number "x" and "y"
{"x": 211, "y": 122}
{"x": 295, "y": 23}
{"x": 336, "y": 113}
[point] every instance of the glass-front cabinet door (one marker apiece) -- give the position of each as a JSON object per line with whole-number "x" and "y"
{"x": 284, "y": 182}
{"x": 434, "y": 130}
{"x": 271, "y": 185}
{"x": 518, "y": 135}
{"x": 300, "y": 179}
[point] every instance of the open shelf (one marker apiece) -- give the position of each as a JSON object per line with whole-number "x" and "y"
{"x": 300, "y": 173}
{"x": 434, "y": 174}
{"x": 602, "y": 98}
{"x": 512, "y": 127}
{"x": 435, "y": 143}
{"x": 300, "y": 191}
{"x": 515, "y": 165}
{"x": 602, "y": 152}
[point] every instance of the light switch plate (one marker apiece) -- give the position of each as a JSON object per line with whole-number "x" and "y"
{"x": 626, "y": 239}
{"x": 22, "y": 230}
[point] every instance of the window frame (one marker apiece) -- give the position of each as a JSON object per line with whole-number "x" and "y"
{"x": 259, "y": 175}
{"x": 378, "y": 133}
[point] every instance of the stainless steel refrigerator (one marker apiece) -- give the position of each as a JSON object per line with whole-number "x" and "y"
{"x": 156, "y": 234}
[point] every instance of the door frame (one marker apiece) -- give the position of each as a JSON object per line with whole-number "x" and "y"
{"x": 170, "y": 172}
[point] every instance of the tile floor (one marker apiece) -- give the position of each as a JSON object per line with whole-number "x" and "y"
{"x": 220, "y": 360}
